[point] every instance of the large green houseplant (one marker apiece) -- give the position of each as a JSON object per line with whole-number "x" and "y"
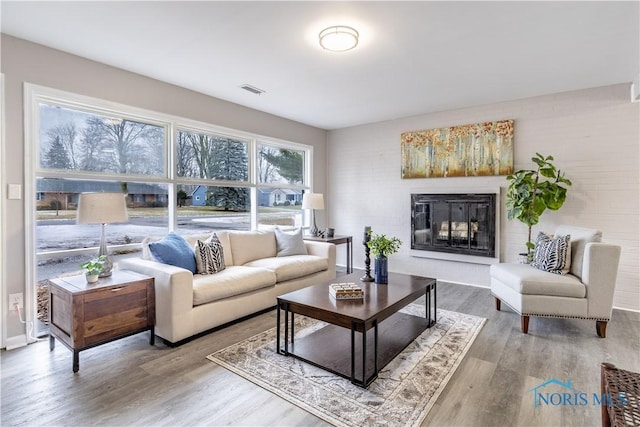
{"x": 531, "y": 192}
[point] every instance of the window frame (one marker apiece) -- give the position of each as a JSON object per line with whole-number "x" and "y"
{"x": 36, "y": 94}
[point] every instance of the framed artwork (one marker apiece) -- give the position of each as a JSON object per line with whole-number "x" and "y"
{"x": 480, "y": 149}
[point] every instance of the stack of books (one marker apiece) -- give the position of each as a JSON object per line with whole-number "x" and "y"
{"x": 346, "y": 291}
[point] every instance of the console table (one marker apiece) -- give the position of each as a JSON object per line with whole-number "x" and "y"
{"x": 338, "y": 240}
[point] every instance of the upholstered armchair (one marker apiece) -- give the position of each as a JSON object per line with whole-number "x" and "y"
{"x": 586, "y": 292}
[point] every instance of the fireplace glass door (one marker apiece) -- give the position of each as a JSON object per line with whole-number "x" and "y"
{"x": 455, "y": 223}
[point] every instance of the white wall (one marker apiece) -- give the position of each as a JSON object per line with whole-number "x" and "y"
{"x": 593, "y": 135}
{"x": 23, "y": 61}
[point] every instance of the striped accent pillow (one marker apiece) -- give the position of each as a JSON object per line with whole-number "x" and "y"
{"x": 552, "y": 254}
{"x": 209, "y": 256}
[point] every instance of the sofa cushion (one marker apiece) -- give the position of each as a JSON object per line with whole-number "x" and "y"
{"x": 292, "y": 267}
{"x": 579, "y": 239}
{"x": 528, "y": 280}
{"x": 552, "y": 254}
{"x": 288, "y": 244}
{"x": 209, "y": 256}
{"x": 231, "y": 281}
{"x": 251, "y": 245}
{"x": 174, "y": 250}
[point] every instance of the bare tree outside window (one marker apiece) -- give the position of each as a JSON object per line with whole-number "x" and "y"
{"x": 96, "y": 143}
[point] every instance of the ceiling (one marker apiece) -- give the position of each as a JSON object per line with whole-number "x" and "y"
{"x": 412, "y": 58}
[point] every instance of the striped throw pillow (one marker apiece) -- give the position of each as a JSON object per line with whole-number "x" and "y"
{"x": 552, "y": 254}
{"x": 209, "y": 256}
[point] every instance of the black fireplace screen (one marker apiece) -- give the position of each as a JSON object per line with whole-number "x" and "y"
{"x": 454, "y": 223}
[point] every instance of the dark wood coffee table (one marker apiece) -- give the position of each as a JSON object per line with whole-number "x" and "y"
{"x": 384, "y": 331}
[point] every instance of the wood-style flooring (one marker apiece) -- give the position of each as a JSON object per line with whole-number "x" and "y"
{"x": 129, "y": 382}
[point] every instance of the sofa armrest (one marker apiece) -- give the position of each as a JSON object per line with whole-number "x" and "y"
{"x": 599, "y": 272}
{"x": 173, "y": 288}
{"x": 322, "y": 249}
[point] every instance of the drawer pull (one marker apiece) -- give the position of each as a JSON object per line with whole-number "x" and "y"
{"x": 117, "y": 289}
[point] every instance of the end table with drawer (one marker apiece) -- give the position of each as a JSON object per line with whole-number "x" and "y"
{"x": 84, "y": 315}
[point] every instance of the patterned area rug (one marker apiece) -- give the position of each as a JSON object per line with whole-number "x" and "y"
{"x": 402, "y": 395}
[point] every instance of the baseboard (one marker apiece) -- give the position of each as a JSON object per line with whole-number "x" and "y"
{"x": 475, "y": 285}
{"x": 16, "y": 342}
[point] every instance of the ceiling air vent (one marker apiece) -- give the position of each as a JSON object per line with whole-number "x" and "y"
{"x": 252, "y": 89}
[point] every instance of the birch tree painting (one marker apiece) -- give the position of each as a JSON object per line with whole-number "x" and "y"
{"x": 481, "y": 149}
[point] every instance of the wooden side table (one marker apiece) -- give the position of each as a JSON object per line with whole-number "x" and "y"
{"x": 83, "y": 315}
{"x": 338, "y": 240}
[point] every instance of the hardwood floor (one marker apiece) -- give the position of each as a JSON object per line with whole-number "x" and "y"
{"x": 129, "y": 382}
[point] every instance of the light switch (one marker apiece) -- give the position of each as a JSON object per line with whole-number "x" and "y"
{"x": 15, "y": 191}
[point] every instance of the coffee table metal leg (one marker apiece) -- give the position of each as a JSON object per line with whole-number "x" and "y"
{"x": 435, "y": 305}
{"x": 353, "y": 350}
{"x": 278, "y": 329}
{"x": 286, "y": 330}
{"x": 364, "y": 357}
{"x": 375, "y": 348}
{"x": 292, "y": 327}
{"x": 427, "y": 297}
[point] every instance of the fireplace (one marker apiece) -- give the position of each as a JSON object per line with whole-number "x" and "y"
{"x": 454, "y": 223}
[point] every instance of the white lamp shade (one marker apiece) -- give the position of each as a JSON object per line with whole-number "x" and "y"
{"x": 312, "y": 201}
{"x": 102, "y": 208}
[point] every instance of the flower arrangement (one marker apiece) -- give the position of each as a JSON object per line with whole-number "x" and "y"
{"x": 383, "y": 246}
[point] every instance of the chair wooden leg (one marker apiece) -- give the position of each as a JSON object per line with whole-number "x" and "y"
{"x": 524, "y": 324}
{"x": 601, "y": 328}
{"x": 497, "y": 303}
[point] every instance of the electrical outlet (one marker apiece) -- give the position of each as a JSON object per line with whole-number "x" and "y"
{"x": 16, "y": 299}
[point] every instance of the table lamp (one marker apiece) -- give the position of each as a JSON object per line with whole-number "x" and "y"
{"x": 313, "y": 201}
{"x": 102, "y": 208}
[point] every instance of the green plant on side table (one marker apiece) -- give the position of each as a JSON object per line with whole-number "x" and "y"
{"x": 531, "y": 192}
{"x": 93, "y": 268}
{"x": 381, "y": 247}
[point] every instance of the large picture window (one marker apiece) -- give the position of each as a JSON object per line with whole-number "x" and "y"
{"x": 178, "y": 175}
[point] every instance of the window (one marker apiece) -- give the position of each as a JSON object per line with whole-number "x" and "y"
{"x": 213, "y": 157}
{"x": 282, "y": 173}
{"x": 75, "y": 140}
{"x": 178, "y": 175}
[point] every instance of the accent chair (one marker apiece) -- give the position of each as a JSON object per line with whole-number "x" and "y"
{"x": 586, "y": 292}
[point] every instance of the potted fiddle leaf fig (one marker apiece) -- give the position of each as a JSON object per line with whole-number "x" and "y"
{"x": 532, "y": 191}
{"x": 93, "y": 268}
{"x": 381, "y": 247}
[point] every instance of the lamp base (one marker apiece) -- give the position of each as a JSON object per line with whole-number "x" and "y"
{"x": 314, "y": 229}
{"x": 107, "y": 266}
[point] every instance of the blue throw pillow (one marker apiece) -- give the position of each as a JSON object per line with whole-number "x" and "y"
{"x": 174, "y": 250}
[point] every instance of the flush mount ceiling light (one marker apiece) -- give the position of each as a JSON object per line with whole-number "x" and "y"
{"x": 338, "y": 38}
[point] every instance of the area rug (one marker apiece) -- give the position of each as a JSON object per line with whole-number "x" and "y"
{"x": 402, "y": 395}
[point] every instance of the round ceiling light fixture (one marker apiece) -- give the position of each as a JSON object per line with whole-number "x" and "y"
{"x": 338, "y": 38}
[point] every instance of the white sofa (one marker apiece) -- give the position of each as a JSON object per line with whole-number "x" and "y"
{"x": 188, "y": 304}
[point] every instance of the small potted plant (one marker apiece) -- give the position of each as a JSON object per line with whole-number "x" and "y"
{"x": 93, "y": 268}
{"x": 381, "y": 247}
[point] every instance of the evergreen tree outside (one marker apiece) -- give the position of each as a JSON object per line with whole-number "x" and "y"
{"x": 289, "y": 164}
{"x": 57, "y": 157}
{"x": 230, "y": 162}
